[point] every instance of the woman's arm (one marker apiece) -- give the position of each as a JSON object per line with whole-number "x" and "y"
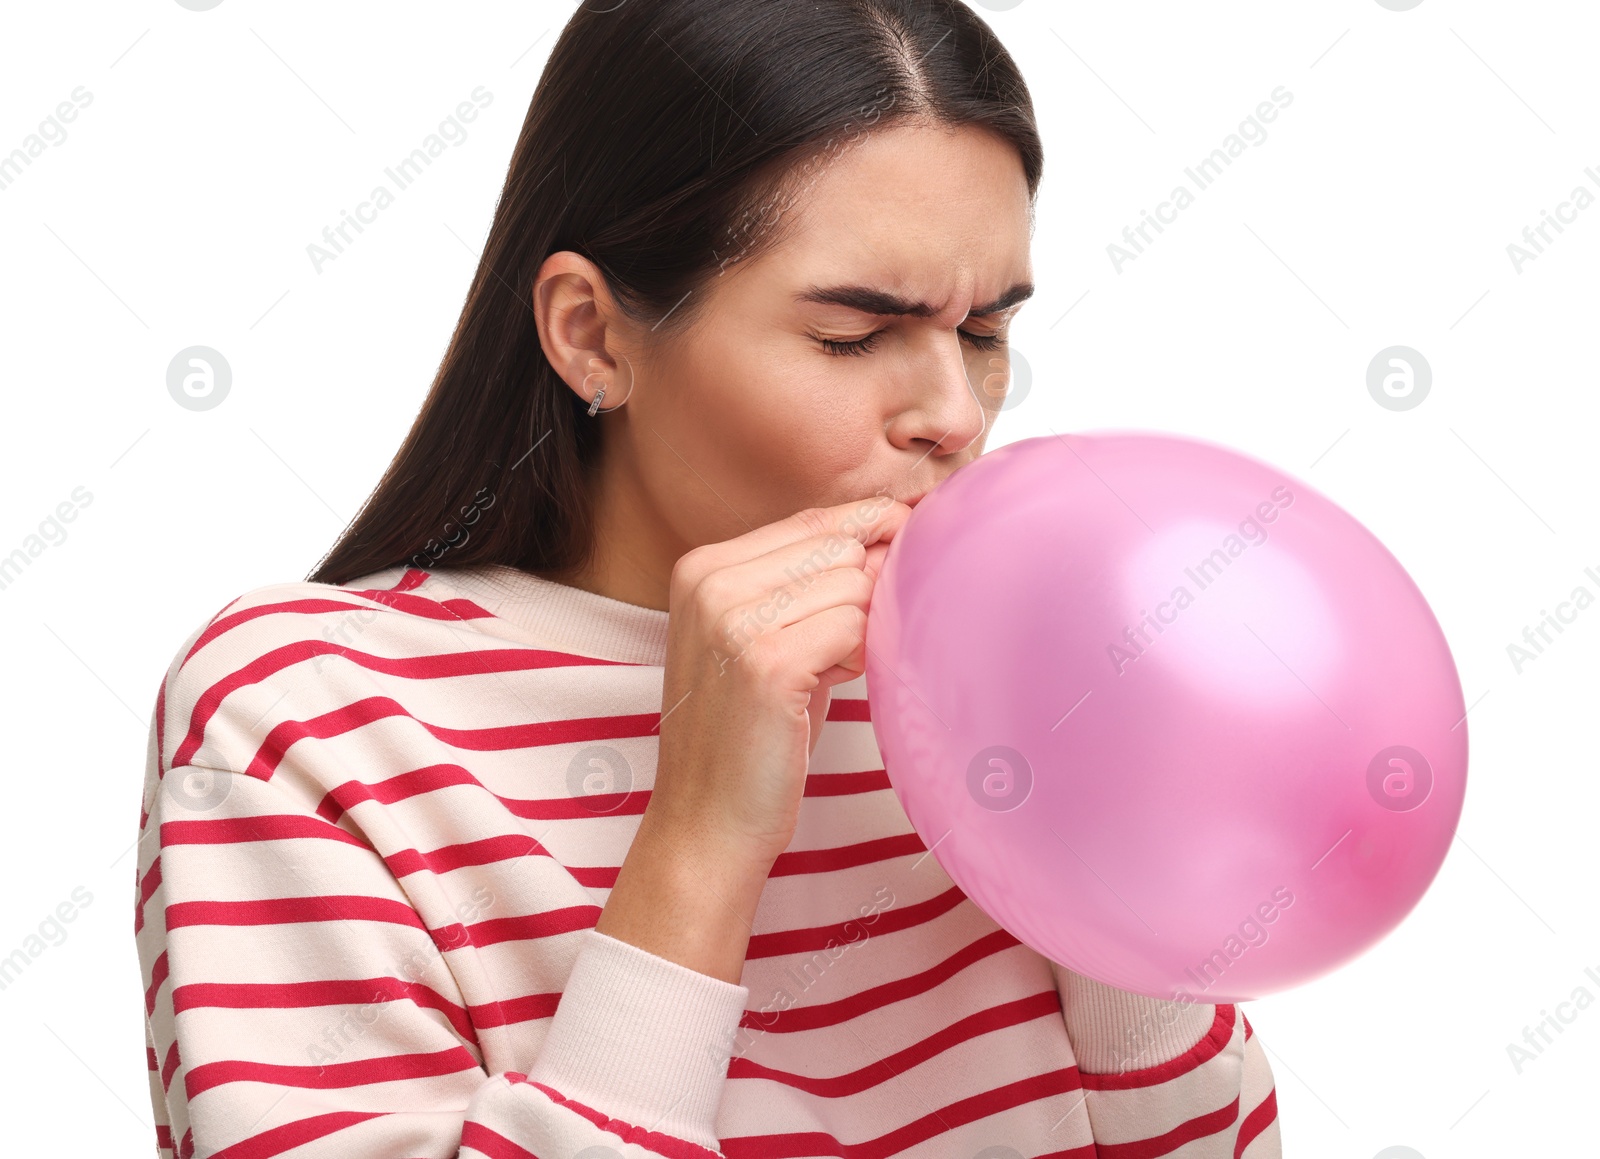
{"x": 304, "y": 964}
{"x": 1165, "y": 1074}
{"x": 297, "y": 999}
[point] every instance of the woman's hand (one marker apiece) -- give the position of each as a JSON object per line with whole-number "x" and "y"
{"x": 760, "y": 629}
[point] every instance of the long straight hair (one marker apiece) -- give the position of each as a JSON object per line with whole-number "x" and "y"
{"x": 662, "y": 140}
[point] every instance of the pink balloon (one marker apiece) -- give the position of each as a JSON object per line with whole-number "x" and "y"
{"x": 1167, "y": 714}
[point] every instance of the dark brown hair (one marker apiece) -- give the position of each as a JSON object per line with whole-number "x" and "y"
{"x": 662, "y": 141}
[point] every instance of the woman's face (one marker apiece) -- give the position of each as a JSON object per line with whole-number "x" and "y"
{"x": 863, "y": 355}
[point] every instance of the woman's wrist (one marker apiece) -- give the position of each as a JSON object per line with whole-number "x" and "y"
{"x": 687, "y": 897}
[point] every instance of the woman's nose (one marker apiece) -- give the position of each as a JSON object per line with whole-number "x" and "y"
{"x": 945, "y": 408}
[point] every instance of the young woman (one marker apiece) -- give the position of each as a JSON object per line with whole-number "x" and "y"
{"x": 545, "y": 818}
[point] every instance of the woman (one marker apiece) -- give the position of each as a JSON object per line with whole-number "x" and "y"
{"x": 575, "y": 713}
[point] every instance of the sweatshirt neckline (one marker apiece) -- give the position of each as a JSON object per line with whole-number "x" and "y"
{"x": 563, "y": 617}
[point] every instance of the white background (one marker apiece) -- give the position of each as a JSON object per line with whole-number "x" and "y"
{"x": 1377, "y": 212}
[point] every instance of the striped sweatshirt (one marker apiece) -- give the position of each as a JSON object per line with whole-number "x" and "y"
{"x": 380, "y": 821}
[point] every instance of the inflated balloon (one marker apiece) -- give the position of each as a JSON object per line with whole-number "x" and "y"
{"x": 1165, "y": 713}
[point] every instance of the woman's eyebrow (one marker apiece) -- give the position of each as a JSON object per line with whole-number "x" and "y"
{"x": 882, "y": 302}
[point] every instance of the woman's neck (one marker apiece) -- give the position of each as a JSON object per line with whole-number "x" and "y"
{"x": 634, "y": 548}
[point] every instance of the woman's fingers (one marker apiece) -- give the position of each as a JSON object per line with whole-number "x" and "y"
{"x": 866, "y": 522}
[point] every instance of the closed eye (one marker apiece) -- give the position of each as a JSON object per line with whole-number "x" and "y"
{"x": 859, "y": 346}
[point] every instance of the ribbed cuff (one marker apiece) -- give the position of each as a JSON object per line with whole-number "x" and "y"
{"x": 1113, "y": 1031}
{"x": 642, "y": 1039}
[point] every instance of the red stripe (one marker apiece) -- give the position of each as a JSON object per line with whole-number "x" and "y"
{"x": 266, "y": 827}
{"x": 846, "y": 784}
{"x": 1046, "y": 1004}
{"x": 361, "y": 713}
{"x": 507, "y": 847}
{"x": 170, "y": 1065}
{"x": 509, "y": 1010}
{"x": 475, "y": 662}
{"x": 798, "y": 1018}
{"x": 160, "y": 719}
{"x": 206, "y": 634}
{"x": 515, "y": 846}
{"x": 846, "y": 856}
{"x": 152, "y": 879}
{"x": 329, "y": 907}
{"x": 1256, "y": 1122}
{"x": 158, "y": 975}
{"x": 1203, "y": 1051}
{"x": 631, "y": 803}
{"x": 358, "y": 907}
{"x": 542, "y": 925}
{"x": 650, "y": 1140}
{"x": 943, "y": 1119}
{"x": 415, "y": 577}
{"x": 492, "y": 1143}
{"x": 1199, "y": 1127}
{"x": 414, "y": 605}
{"x": 341, "y": 798}
{"x": 433, "y": 778}
{"x": 362, "y": 1072}
{"x": 330, "y": 992}
{"x": 848, "y": 709}
{"x": 455, "y": 608}
{"x": 490, "y": 851}
{"x": 223, "y": 622}
{"x": 818, "y": 937}
{"x": 292, "y": 1135}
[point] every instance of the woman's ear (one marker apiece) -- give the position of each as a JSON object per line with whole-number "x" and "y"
{"x": 579, "y": 327}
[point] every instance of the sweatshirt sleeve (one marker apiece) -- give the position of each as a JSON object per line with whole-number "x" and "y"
{"x": 1160, "y": 1075}
{"x": 297, "y": 1000}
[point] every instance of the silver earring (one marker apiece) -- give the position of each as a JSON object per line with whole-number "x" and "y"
{"x": 599, "y": 396}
